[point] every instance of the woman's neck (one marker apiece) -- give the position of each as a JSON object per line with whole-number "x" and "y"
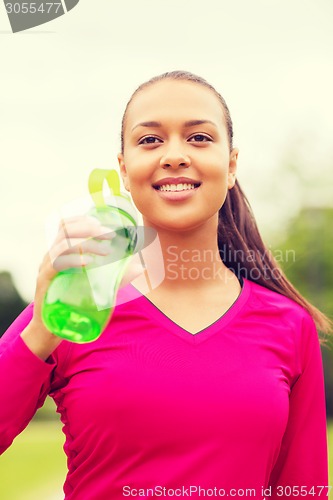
{"x": 186, "y": 259}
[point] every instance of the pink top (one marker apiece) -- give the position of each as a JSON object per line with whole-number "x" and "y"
{"x": 239, "y": 406}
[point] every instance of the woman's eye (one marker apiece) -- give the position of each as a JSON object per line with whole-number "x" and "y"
{"x": 200, "y": 138}
{"x": 148, "y": 140}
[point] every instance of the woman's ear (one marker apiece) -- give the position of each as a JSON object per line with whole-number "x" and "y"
{"x": 123, "y": 171}
{"x": 232, "y": 168}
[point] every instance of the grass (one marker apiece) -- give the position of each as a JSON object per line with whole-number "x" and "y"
{"x": 34, "y": 467}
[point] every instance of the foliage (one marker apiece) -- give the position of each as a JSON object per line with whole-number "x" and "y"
{"x": 308, "y": 244}
{"x": 11, "y": 303}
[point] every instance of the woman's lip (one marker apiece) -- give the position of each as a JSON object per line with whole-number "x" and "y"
{"x": 177, "y": 195}
{"x": 175, "y": 180}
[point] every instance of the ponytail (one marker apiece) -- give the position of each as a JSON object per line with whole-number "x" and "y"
{"x": 243, "y": 251}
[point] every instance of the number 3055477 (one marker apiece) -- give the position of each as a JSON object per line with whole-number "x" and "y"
{"x": 32, "y": 7}
{"x": 310, "y": 491}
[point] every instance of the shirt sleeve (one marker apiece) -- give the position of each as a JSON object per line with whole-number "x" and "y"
{"x": 24, "y": 380}
{"x": 301, "y": 468}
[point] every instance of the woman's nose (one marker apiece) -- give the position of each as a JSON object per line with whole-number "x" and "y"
{"x": 175, "y": 157}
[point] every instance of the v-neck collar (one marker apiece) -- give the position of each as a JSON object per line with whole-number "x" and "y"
{"x": 195, "y": 338}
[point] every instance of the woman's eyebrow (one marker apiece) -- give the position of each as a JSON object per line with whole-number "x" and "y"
{"x": 190, "y": 123}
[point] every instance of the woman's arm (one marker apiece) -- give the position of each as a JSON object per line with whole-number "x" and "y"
{"x": 25, "y": 378}
{"x": 26, "y": 361}
{"x": 301, "y": 468}
{"x": 39, "y": 340}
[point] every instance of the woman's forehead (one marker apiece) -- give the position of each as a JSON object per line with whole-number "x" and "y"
{"x": 180, "y": 97}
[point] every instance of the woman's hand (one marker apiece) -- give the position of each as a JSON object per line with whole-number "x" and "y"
{"x": 77, "y": 240}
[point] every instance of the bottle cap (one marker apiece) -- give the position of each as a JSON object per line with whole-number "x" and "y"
{"x": 116, "y": 198}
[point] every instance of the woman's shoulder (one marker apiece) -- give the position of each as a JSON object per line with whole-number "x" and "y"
{"x": 268, "y": 301}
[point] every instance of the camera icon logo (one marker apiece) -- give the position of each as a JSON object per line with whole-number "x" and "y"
{"x": 24, "y": 15}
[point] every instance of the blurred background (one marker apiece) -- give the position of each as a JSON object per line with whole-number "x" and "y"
{"x": 64, "y": 87}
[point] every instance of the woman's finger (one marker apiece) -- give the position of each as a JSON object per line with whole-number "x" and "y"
{"x": 73, "y": 260}
{"x": 79, "y": 245}
{"x": 83, "y": 227}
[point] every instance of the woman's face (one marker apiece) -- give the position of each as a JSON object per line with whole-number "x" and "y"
{"x": 177, "y": 162}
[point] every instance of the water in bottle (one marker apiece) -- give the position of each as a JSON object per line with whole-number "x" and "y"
{"x": 79, "y": 301}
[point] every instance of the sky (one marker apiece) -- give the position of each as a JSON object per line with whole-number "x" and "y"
{"x": 64, "y": 86}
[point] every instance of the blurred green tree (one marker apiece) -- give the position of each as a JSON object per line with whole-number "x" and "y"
{"x": 11, "y": 303}
{"x": 308, "y": 247}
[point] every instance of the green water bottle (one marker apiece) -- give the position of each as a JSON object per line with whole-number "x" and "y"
{"x": 79, "y": 301}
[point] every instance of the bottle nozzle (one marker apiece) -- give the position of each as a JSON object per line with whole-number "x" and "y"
{"x": 95, "y": 185}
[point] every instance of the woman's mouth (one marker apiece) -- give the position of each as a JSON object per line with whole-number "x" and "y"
{"x": 176, "y": 187}
{"x": 176, "y": 191}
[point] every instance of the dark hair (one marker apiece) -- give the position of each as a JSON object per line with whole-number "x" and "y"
{"x": 240, "y": 244}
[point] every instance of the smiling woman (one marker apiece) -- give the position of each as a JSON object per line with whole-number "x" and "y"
{"x": 190, "y": 145}
{"x": 213, "y": 380}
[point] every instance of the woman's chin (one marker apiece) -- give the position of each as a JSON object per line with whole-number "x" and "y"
{"x": 181, "y": 224}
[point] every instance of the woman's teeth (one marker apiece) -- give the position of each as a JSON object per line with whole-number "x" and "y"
{"x": 176, "y": 187}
